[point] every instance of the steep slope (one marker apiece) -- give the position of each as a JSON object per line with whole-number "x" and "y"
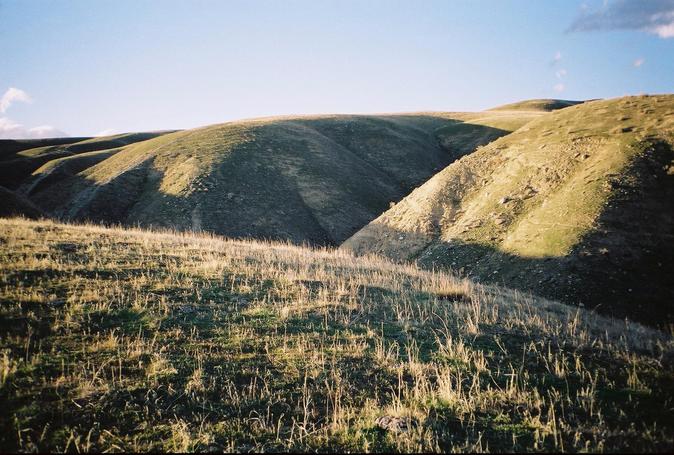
{"x": 577, "y": 205}
{"x": 17, "y": 163}
{"x": 315, "y": 179}
{"x": 134, "y": 341}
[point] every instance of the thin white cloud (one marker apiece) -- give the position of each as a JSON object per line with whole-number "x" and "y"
{"x": 638, "y": 62}
{"x": 665, "y": 31}
{"x": 11, "y": 96}
{"x": 559, "y": 87}
{"x": 651, "y": 16}
{"x": 560, "y": 73}
{"x": 9, "y": 129}
{"x": 45, "y": 131}
{"x": 7, "y": 126}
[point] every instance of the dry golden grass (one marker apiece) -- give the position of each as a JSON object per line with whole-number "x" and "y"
{"x": 116, "y": 339}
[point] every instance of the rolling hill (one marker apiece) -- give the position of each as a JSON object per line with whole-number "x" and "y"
{"x": 20, "y": 158}
{"x": 306, "y": 179}
{"x": 578, "y": 205}
{"x": 129, "y": 340}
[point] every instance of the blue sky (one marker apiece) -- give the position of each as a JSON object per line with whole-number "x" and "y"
{"x": 87, "y": 67}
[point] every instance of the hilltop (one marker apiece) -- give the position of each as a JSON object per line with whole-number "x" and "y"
{"x": 315, "y": 179}
{"x": 129, "y": 340}
{"x": 577, "y": 205}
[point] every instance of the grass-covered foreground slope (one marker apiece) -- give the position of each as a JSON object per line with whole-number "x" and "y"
{"x": 577, "y": 205}
{"x": 116, "y": 340}
{"x": 314, "y": 179}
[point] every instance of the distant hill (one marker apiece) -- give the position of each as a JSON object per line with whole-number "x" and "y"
{"x": 63, "y": 168}
{"x": 19, "y": 158}
{"x": 545, "y": 105}
{"x": 9, "y": 147}
{"x": 577, "y": 205}
{"x": 314, "y": 179}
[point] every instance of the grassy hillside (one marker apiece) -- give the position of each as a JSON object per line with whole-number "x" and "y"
{"x": 20, "y": 158}
{"x": 125, "y": 340}
{"x": 315, "y": 179}
{"x": 577, "y": 205}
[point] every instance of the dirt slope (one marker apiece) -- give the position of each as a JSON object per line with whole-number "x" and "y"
{"x": 577, "y": 205}
{"x": 315, "y": 179}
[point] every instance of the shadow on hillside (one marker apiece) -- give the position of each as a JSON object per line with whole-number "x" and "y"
{"x": 462, "y": 138}
{"x": 16, "y": 171}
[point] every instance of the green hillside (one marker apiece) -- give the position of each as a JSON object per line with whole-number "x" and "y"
{"x": 577, "y": 205}
{"x": 306, "y": 179}
{"x": 125, "y": 340}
